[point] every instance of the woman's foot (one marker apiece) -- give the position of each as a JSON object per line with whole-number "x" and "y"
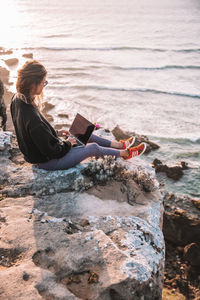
{"x": 128, "y": 143}
{"x": 136, "y": 151}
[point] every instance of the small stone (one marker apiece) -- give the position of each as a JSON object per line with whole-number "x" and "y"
{"x": 25, "y": 276}
{"x": 84, "y": 223}
{"x": 28, "y": 55}
{"x": 43, "y": 221}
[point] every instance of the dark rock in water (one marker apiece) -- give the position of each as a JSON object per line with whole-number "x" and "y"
{"x": 184, "y": 165}
{"x": 47, "y": 106}
{"x": 28, "y": 55}
{"x": 175, "y": 172}
{"x": 61, "y": 126}
{"x": 157, "y": 162}
{"x": 63, "y": 116}
{"x": 196, "y": 202}
{"x": 192, "y": 254}
{"x": 119, "y": 134}
{"x": 11, "y": 61}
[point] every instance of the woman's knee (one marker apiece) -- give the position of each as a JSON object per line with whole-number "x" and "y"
{"x": 95, "y": 148}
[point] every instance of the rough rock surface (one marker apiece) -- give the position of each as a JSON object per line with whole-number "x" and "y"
{"x": 181, "y": 224}
{"x": 5, "y": 143}
{"x": 181, "y": 228}
{"x": 74, "y": 234}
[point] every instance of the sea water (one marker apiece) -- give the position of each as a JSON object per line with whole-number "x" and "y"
{"x": 130, "y": 63}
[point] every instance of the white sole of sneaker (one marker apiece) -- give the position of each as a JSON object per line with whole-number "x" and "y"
{"x": 145, "y": 147}
{"x": 132, "y": 143}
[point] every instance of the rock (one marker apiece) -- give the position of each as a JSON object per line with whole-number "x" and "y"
{"x": 181, "y": 223}
{"x": 184, "y": 165}
{"x": 28, "y": 55}
{"x": 120, "y": 135}
{"x": 101, "y": 242}
{"x": 175, "y": 172}
{"x": 192, "y": 254}
{"x": 25, "y": 276}
{"x": 63, "y": 125}
{"x": 11, "y": 61}
{"x": 46, "y": 106}
{"x": 4, "y": 51}
{"x": 63, "y": 116}
{"x": 196, "y": 202}
{"x": 5, "y": 142}
{"x": 4, "y": 75}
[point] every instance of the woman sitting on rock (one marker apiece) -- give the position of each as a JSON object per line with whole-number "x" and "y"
{"x": 40, "y": 143}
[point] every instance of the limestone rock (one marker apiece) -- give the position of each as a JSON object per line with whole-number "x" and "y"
{"x": 78, "y": 240}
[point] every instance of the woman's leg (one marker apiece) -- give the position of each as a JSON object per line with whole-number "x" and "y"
{"x": 76, "y": 155}
{"x": 104, "y": 142}
{"x": 99, "y": 140}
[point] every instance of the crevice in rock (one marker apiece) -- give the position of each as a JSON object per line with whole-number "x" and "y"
{"x": 81, "y": 284}
{"x": 10, "y": 256}
{"x": 115, "y": 295}
{"x": 43, "y": 258}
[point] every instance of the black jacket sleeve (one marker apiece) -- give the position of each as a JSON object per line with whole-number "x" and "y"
{"x": 49, "y": 145}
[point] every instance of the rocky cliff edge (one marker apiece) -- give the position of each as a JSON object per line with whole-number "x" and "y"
{"x": 90, "y": 232}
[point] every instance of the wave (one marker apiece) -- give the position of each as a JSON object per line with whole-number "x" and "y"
{"x": 197, "y": 50}
{"x": 195, "y": 154}
{"x": 127, "y": 68}
{"x": 179, "y": 140}
{"x": 158, "y": 68}
{"x": 144, "y": 90}
{"x": 195, "y": 140}
{"x": 56, "y": 35}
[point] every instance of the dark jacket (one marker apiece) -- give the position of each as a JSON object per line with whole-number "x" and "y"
{"x": 36, "y": 138}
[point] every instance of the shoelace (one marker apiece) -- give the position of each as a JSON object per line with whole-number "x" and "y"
{"x": 128, "y": 142}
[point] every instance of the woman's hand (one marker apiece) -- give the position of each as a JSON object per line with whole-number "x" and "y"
{"x": 72, "y": 140}
{"x": 63, "y": 133}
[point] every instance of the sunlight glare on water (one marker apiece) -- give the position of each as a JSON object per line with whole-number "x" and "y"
{"x": 10, "y": 22}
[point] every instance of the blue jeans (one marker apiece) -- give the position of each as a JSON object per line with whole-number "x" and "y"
{"x": 97, "y": 146}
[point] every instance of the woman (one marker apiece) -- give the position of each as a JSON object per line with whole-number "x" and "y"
{"x": 37, "y": 139}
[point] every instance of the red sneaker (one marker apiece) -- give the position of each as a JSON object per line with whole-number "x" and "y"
{"x": 128, "y": 142}
{"x": 136, "y": 151}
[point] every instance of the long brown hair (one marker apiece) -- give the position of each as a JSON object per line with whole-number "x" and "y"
{"x": 29, "y": 76}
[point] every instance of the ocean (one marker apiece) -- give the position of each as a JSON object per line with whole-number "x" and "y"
{"x": 130, "y": 63}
